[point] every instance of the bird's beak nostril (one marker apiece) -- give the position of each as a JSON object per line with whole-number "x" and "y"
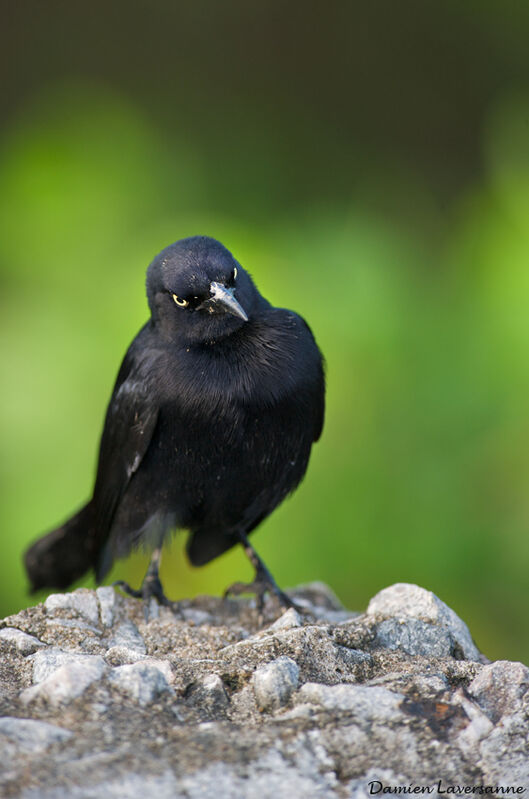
{"x": 223, "y": 301}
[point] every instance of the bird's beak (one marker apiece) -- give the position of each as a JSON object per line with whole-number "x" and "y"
{"x": 223, "y": 301}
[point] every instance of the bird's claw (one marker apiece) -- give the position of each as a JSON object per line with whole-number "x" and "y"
{"x": 150, "y": 588}
{"x": 260, "y": 587}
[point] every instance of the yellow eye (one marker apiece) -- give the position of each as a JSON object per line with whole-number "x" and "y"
{"x": 234, "y": 272}
{"x": 179, "y": 301}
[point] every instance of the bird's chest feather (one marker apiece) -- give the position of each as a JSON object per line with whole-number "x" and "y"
{"x": 234, "y": 376}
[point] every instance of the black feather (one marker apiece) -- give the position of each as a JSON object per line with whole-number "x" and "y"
{"x": 210, "y": 424}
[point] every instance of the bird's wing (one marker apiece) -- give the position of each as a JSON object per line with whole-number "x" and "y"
{"x": 129, "y": 426}
{"x": 320, "y": 406}
{"x": 317, "y": 362}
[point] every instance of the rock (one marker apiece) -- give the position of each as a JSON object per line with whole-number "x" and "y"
{"x": 142, "y": 681}
{"x": 127, "y": 635}
{"x": 322, "y": 602}
{"x": 367, "y": 704}
{"x": 314, "y": 649}
{"x": 107, "y": 598}
{"x": 419, "y": 623}
{"x": 163, "y": 666}
{"x": 504, "y": 753}
{"x": 67, "y": 682}
{"x": 81, "y": 602}
{"x": 289, "y": 619}
{"x": 209, "y": 693}
{"x": 23, "y": 643}
{"x": 122, "y": 655}
{"x": 129, "y": 786}
{"x": 500, "y": 688}
{"x": 216, "y": 701}
{"x": 21, "y": 736}
{"x": 274, "y": 683}
{"x": 415, "y": 637}
{"x": 478, "y": 728}
{"x": 272, "y": 776}
{"x": 48, "y": 660}
{"x": 197, "y": 616}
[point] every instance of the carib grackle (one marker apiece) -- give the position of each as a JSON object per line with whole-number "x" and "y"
{"x": 210, "y": 426}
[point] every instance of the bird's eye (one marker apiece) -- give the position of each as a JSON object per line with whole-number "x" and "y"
{"x": 234, "y": 276}
{"x": 181, "y": 302}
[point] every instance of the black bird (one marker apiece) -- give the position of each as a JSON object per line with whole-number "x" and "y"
{"x": 210, "y": 425}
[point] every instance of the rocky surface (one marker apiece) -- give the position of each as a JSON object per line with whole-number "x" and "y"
{"x": 97, "y": 701}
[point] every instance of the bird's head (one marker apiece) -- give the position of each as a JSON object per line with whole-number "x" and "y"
{"x": 198, "y": 292}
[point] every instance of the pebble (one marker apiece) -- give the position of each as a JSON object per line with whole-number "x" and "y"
{"x": 67, "y": 682}
{"x": 48, "y": 660}
{"x": 289, "y": 619}
{"x": 121, "y": 655}
{"x": 127, "y": 635}
{"x": 209, "y": 692}
{"x": 82, "y": 602}
{"x": 24, "y": 643}
{"x": 403, "y": 602}
{"x": 30, "y": 735}
{"x": 143, "y": 682}
{"x": 500, "y": 687}
{"x": 107, "y": 598}
{"x": 415, "y": 637}
{"x": 275, "y": 682}
{"x": 369, "y": 704}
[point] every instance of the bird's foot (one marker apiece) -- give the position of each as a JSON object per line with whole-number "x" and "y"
{"x": 262, "y": 584}
{"x": 151, "y": 588}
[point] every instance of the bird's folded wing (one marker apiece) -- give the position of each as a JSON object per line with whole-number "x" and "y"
{"x": 129, "y": 426}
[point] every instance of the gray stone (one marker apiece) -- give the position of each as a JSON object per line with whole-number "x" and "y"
{"x": 274, "y": 775}
{"x": 187, "y": 720}
{"x": 196, "y": 616}
{"x": 368, "y": 704}
{"x": 163, "y": 666}
{"x": 143, "y": 682}
{"x": 121, "y": 655}
{"x": 274, "y": 683}
{"x": 312, "y": 647}
{"x": 73, "y": 624}
{"x": 107, "y": 598}
{"x": 23, "y": 643}
{"x": 81, "y": 602}
{"x": 289, "y": 619}
{"x": 353, "y": 657}
{"x": 478, "y": 728}
{"x": 504, "y": 753}
{"x": 414, "y": 637}
{"x": 21, "y": 736}
{"x": 210, "y": 694}
{"x": 128, "y": 636}
{"x": 500, "y": 688}
{"x": 130, "y": 786}
{"x": 404, "y": 602}
{"x": 67, "y": 682}
{"x": 48, "y": 660}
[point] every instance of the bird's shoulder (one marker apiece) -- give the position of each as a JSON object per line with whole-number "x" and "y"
{"x": 282, "y": 344}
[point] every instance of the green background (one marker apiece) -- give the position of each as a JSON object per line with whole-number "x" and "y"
{"x": 368, "y": 163}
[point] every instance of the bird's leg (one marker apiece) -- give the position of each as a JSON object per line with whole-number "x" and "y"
{"x": 262, "y": 582}
{"x": 151, "y": 585}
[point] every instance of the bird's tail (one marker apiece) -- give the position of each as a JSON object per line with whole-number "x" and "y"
{"x": 64, "y": 554}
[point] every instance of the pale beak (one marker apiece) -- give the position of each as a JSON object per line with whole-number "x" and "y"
{"x": 223, "y": 301}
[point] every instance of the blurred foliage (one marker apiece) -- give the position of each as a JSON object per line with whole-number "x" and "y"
{"x": 413, "y": 274}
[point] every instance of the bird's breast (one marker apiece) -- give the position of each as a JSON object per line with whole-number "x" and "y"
{"x": 258, "y": 366}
